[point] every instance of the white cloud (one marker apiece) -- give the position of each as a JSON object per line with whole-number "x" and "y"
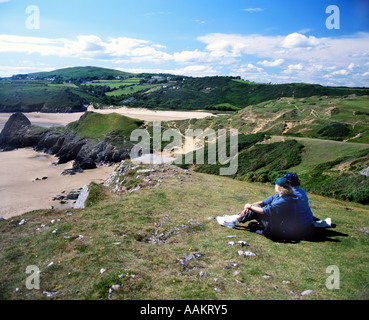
{"x": 274, "y": 63}
{"x": 193, "y": 71}
{"x": 293, "y": 67}
{"x": 308, "y": 59}
{"x": 86, "y": 47}
{"x": 252, "y": 10}
{"x": 197, "y": 70}
{"x": 297, "y": 40}
{"x": 200, "y": 22}
{"x": 342, "y": 72}
{"x": 191, "y": 56}
{"x": 251, "y": 67}
{"x": 306, "y": 30}
{"x": 351, "y": 66}
{"x": 2, "y": 1}
{"x": 8, "y": 71}
{"x": 234, "y": 45}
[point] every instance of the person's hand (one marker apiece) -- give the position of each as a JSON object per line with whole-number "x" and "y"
{"x": 247, "y": 206}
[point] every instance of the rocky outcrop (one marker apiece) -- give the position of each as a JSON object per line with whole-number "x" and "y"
{"x": 18, "y": 133}
{"x": 14, "y": 134}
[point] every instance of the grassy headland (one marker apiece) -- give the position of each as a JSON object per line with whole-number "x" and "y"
{"x": 158, "y": 243}
{"x": 113, "y": 127}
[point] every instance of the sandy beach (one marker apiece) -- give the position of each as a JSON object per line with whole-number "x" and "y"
{"x": 44, "y": 119}
{"x": 20, "y": 193}
{"x": 62, "y": 119}
{"x": 154, "y": 115}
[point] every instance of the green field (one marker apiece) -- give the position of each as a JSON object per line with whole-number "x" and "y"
{"x": 132, "y": 89}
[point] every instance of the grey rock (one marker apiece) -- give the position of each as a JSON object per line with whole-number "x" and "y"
{"x": 306, "y": 292}
{"x": 12, "y": 135}
{"x": 18, "y": 133}
{"x": 80, "y": 203}
{"x": 246, "y": 253}
{"x": 50, "y": 294}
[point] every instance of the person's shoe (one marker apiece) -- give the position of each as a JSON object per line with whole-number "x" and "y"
{"x": 327, "y": 223}
{"x": 227, "y": 221}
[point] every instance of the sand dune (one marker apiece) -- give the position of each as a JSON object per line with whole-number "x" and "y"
{"x": 62, "y": 119}
{"x": 154, "y": 115}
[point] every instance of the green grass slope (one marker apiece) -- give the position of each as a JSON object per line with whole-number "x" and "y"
{"x": 140, "y": 241}
{"x": 327, "y": 117}
{"x": 113, "y": 127}
{"x": 329, "y": 168}
{"x": 39, "y": 98}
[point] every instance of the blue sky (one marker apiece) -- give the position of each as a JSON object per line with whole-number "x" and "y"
{"x": 259, "y": 40}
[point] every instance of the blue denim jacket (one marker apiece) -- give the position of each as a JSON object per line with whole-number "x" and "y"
{"x": 304, "y": 213}
{"x": 282, "y": 213}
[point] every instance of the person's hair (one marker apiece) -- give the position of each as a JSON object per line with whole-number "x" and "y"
{"x": 293, "y": 179}
{"x": 295, "y": 183}
{"x": 284, "y": 191}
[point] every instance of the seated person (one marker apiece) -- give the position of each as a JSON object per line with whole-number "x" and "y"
{"x": 304, "y": 211}
{"x": 277, "y": 214}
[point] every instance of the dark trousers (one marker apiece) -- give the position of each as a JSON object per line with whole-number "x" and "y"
{"x": 251, "y": 215}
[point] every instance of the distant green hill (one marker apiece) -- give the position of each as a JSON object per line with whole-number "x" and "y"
{"x": 91, "y": 73}
{"x": 231, "y": 94}
{"x": 105, "y": 87}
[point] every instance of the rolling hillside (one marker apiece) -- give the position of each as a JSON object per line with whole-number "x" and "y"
{"x": 231, "y": 94}
{"x": 323, "y": 139}
{"x": 325, "y": 117}
{"x": 105, "y": 87}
